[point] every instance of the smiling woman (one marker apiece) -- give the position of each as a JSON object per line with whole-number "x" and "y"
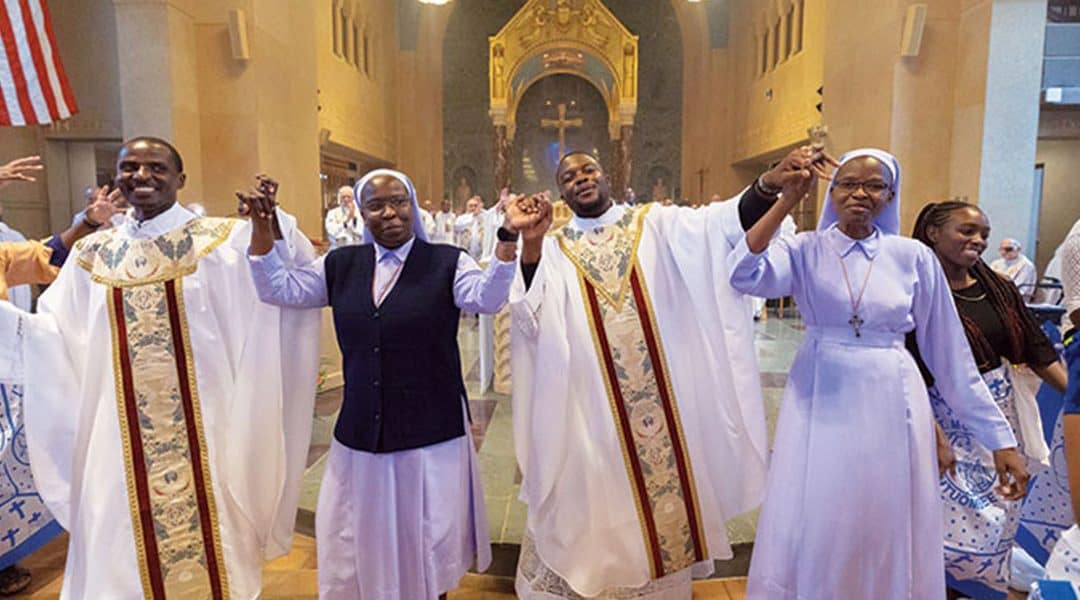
{"x": 854, "y": 408}
{"x": 1001, "y": 332}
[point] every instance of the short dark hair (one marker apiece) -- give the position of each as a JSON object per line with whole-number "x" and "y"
{"x": 572, "y": 153}
{"x": 149, "y": 139}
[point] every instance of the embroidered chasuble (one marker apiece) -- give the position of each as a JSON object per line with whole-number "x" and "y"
{"x": 176, "y": 464}
{"x": 638, "y": 421}
{"x": 165, "y": 455}
{"x": 633, "y": 366}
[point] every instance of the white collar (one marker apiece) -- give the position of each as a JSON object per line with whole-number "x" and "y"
{"x": 176, "y": 216}
{"x": 401, "y": 252}
{"x": 844, "y": 244}
{"x": 610, "y": 216}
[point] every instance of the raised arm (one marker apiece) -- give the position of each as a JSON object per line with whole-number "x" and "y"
{"x": 799, "y": 165}
{"x": 278, "y": 283}
{"x": 532, "y": 236}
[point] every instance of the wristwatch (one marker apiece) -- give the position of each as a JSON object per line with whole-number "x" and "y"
{"x": 505, "y": 235}
{"x": 92, "y": 225}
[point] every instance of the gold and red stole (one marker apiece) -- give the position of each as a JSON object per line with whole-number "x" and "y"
{"x": 171, "y": 498}
{"x": 638, "y": 383}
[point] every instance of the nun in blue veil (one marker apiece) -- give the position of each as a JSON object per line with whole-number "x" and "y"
{"x": 852, "y": 508}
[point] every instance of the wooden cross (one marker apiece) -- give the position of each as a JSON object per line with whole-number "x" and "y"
{"x": 562, "y": 124}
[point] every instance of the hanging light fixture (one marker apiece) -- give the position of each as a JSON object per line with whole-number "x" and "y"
{"x": 435, "y": 2}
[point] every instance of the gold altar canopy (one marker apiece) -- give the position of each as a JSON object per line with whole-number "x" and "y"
{"x": 578, "y": 37}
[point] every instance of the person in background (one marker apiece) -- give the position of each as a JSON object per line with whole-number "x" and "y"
{"x": 20, "y": 294}
{"x": 1062, "y": 564}
{"x": 1001, "y": 332}
{"x": 444, "y": 223}
{"x": 24, "y": 262}
{"x": 343, "y": 224}
{"x": 1016, "y": 267}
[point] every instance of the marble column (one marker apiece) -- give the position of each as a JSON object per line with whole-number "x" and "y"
{"x": 624, "y": 151}
{"x": 502, "y": 158}
{"x": 614, "y": 172}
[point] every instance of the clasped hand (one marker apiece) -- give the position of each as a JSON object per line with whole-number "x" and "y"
{"x": 529, "y": 215}
{"x": 798, "y": 171}
{"x": 259, "y": 202}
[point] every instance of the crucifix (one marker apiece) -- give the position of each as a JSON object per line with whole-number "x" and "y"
{"x": 562, "y": 124}
{"x": 856, "y": 323}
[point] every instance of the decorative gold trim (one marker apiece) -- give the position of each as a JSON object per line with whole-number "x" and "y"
{"x": 125, "y": 438}
{"x": 219, "y": 229}
{"x": 623, "y": 442}
{"x": 203, "y": 449}
{"x": 617, "y": 301}
{"x": 582, "y": 37}
{"x": 679, "y": 434}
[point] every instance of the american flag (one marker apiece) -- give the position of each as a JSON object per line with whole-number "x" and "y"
{"x": 34, "y": 89}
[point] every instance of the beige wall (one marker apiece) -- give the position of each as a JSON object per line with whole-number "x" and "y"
{"x": 764, "y": 125}
{"x": 1061, "y": 196}
{"x": 359, "y": 110}
{"x": 730, "y": 129}
{"x": 420, "y": 113}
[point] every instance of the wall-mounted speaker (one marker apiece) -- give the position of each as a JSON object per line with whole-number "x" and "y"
{"x": 914, "y": 23}
{"x": 238, "y": 37}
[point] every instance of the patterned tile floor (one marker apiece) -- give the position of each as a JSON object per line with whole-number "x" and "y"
{"x": 294, "y": 577}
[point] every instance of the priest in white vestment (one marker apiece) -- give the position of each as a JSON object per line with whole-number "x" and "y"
{"x": 476, "y": 228}
{"x": 344, "y": 227}
{"x": 444, "y": 224}
{"x": 639, "y": 426}
{"x": 168, "y": 411}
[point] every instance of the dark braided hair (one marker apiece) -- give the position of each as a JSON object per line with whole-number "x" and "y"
{"x": 1001, "y": 293}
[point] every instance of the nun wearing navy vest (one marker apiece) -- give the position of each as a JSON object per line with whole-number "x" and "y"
{"x": 401, "y": 510}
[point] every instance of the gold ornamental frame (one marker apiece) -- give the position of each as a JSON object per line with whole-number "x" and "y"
{"x": 578, "y": 37}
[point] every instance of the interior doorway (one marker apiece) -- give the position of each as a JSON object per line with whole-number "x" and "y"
{"x": 75, "y": 167}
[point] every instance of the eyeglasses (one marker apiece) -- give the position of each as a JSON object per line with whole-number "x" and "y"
{"x": 874, "y": 188}
{"x": 377, "y": 206}
{"x": 1007, "y": 248}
